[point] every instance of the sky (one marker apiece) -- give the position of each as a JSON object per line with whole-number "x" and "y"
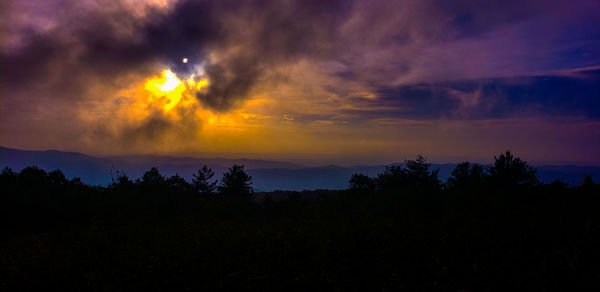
{"x": 344, "y": 82}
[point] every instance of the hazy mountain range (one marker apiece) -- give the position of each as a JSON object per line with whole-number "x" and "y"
{"x": 267, "y": 175}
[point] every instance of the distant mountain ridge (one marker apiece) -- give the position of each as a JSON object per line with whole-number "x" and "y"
{"x": 267, "y": 175}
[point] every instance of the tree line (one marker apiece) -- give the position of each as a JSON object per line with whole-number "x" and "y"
{"x": 507, "y": 172}
{"x": 486, "y": 228}
{"x": 235, "y": 181}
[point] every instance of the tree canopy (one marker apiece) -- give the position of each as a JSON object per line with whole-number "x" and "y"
{"x": 236, "y": 181}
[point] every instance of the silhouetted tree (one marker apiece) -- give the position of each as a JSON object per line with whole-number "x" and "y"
{"x": 466, "y": 175}
{"x": 57, "y": 177}
{"x": 201, "y": 181}
{"x": 414, "y": 175}
{"x": 153, "y": 177}
{"x": 8, "y": 181}
{"x": 510, "y": 171}
{"x": 123, "y": 183}
{"x": 123, "y": 180}
{"x": 392, "y": 178}
{"x": 237, "y": 182}
{"x": 76, "y": 182}
{"x": 352, "y": 239}
{"x": 32, "y": 175}
{"x": 588, "y": 184}
{"x": 587, "y": 180}
{"x": 362, "y": 183}
{"x": 8, "y": 176}
{"x": 558, "y": 185}
{"x": 178, "y": 183}
{"x": 7, "y": 172}
{"x": 419, "y": 174}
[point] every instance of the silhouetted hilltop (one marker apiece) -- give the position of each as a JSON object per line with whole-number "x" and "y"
{"x": 267, "y": 175}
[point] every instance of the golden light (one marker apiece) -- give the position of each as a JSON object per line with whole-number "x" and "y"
{"x": 192, "y": 124}
{"x": 168, "y": 86}
{"x": 197, "y": 85}
{"x": 185, "y": 60}
{"x": 171, "y": 83}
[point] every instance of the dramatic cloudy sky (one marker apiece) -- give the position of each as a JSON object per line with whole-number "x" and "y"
{"x": 332, "y": 81}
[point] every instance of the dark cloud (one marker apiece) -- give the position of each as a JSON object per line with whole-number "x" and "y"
{"x": 308, "y": 60}
{"x": 151, "y": 129}
{"x": 100, "y": 46}
{"x": 264, "y": 35}
{"x": 499, "y": 98}
{"x": 158, "y": 127}
{"x": 229, "y": 83}
{"x": 473, "y": 18}
{"x": 240, "y": 41}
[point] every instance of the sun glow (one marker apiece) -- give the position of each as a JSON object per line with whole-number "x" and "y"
{"x": 171, "y": 90}
{"x": 167, "y": 86}
{"x": 171, "y": 83}
{"x": 176, "y": 99}
{"x": 164, "y": 112}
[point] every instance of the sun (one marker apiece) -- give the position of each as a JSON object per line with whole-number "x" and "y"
{"x": 169, "y": 90}
{"x": 159, "y": 85}
{"x": 169, "y": 86}
{"x": 171, "y": 83}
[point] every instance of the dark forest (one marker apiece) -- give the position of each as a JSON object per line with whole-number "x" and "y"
{"x": 490, "y": 228}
